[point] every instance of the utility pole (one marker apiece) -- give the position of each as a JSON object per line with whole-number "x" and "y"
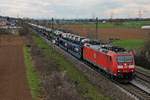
{"x": 96, "y": 27}
{"x": 112, "y": 15}
{"x": 52, "y": 22}
{"x": 93, "y": 16}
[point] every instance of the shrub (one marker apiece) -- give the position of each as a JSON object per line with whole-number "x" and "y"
{"x": 24, "y": 30}
{"x": 143, "y": 58}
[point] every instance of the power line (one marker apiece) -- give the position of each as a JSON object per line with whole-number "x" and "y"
{"x": 112, "y": 15}
{"x": 140, "y": 14}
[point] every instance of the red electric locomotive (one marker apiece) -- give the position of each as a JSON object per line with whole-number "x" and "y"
{"x": 115, "y": 61}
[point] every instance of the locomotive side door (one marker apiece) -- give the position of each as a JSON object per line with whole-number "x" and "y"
{"x": 109, "y": 63}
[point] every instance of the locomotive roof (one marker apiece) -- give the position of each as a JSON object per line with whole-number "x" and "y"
{"x": 95, "y": 47}
{"x": 107, "y": 48}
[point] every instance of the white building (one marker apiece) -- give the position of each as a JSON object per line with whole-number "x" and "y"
{"x": 146, "y": 27}
{"x": 3, "y": 22}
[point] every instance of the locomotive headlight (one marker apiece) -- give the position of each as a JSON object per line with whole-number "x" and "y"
{"x": 132, "y": 70}
{"x": 115, "y": 74}
{"x": 120, "y": 66}
{"x": 119, "y": 70}
{"x": 131, "y": 66}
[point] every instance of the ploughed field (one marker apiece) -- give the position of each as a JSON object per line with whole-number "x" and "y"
{"x": 13, "y": 82}
{"x": 106, "y": 33}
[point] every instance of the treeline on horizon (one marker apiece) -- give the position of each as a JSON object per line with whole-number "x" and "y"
{"x": 91, "y": 20}
{"x": 78, "y": 20}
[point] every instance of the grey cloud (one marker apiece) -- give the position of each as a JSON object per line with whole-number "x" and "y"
{"x": 73, "y": 8}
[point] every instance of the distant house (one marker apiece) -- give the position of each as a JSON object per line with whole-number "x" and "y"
{"x": 146, "y": 27}
{"x": 3, "y": 22}
{"x": 104, "y": 21}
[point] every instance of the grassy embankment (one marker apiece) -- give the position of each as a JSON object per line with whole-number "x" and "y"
{"x": 130, "y": 44}
{"x": 32, "y": 76}
{"x": 84, "y": 87}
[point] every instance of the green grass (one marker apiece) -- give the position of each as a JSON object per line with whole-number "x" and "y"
{"x": 135, "y": 24}
{"x": 100, "y": 25}
{"x": 84, "y": 87}
{"x": 130, "y": 44}
{"x": 32, "y": 76}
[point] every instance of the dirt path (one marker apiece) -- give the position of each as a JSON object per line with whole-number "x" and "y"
{"x": 13, "y": 82}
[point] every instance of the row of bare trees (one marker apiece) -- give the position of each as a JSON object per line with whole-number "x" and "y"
{"x": 24, "y": 30}
{"x": 143, "y": 58}
{"x": 146, "y": 51}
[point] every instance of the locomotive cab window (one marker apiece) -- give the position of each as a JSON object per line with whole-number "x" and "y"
{"x": 124, "y": 59}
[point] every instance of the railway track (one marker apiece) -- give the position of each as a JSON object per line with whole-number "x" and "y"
{"x": 135, "y": 90}
{"x": 138, "y": 92}
{"x": 145, "y": 81}
{"x": 143, "y": 76}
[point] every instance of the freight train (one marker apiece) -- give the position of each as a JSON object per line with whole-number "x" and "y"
{"x": 116, "y": 62}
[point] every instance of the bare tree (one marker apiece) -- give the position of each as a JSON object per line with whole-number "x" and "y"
{"x": 143, "y": 58}
{"x": 147, "y": 49}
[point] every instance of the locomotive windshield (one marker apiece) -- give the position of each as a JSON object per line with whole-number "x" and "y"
{"x": 124, "y": 59}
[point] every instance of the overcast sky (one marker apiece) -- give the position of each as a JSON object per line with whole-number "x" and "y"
{"x": 75, "y": 8}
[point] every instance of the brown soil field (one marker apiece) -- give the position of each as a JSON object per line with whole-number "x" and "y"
{"x": 107, "y": 33}
{"x": 13, "y": 82}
